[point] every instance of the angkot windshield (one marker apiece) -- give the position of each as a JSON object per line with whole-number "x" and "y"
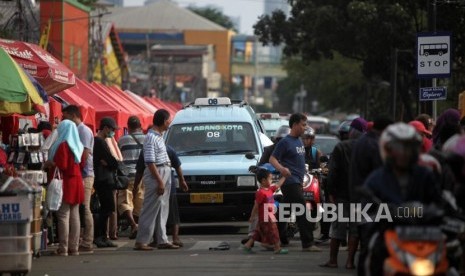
{"x": 212, "y": 138}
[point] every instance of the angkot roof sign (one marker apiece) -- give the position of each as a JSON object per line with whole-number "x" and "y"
{"x": 434, "y": 55}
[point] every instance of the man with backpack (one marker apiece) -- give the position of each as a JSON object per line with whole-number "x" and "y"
{"x": 130, "y": 200}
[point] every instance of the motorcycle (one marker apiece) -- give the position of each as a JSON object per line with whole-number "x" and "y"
{"x": 312, "y": 195}
{"x": 413, "y": 245}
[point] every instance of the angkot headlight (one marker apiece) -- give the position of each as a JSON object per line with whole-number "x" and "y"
{"x": 246, "y": 181}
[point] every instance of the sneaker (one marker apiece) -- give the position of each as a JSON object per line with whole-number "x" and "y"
{"x": 110, "y": 243}
{"x": 86, "y": 249}
{"x": 312, "y": 248}
{"x": 322, "y": 239}
{"x": 100, "y": 243}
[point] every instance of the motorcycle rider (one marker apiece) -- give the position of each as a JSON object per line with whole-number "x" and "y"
{"x": 312, "y": 154}
{"x": 399, "y": 180}
{"x": 343, "y": 131}
{"x": 312, "y": 159}
{"x": 282, "y": 132}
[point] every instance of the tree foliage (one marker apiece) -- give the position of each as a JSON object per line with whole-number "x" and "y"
{"x": 366, "y": 31}
{"x": 214, "y": 15}
{"x": 333, "y": 83}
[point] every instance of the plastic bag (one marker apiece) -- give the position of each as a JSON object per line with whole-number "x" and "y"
{"x": 55, "y": 191}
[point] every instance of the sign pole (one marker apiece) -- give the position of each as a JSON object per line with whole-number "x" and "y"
{"x": 435, "y": 102}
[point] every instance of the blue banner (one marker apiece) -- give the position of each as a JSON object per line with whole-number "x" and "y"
{"x": 433, "y": 93}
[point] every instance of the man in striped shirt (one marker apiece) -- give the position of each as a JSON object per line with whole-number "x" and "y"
{"x": 157, "y": 181}
{"x": 130, "y": 200}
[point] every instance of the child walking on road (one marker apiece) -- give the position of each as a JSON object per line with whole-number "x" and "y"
{"x": 267, "y": 230}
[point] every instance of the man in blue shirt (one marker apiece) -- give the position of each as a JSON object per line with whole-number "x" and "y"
{"x": 288, "y": 158}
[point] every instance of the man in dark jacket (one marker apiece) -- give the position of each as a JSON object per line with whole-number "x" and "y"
{"x": 365, "y": 158}
{"x": 338, "y": 189}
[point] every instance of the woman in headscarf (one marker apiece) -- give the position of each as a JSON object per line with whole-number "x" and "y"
{"x": 65, "y": 154}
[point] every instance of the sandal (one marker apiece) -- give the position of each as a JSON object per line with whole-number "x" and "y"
{"x": 281, "y": 251}
{"x": 178, "y": 243}
{"x": 133, "y": 234}
{"x": 350, "y": 266}
{"x": 59, "y": 253}
{"x": 248, "y": 250}
{"x": 328, "y": 265}
{"x": 142, "y": 247}
{"x": 167, "y": 246}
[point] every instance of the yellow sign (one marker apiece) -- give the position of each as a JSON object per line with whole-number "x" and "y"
{"x": 45, "y": 35}
{"x": 206, "y": 197}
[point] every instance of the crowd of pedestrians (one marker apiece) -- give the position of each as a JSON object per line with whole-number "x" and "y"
{"x": 391, "y": 159}
{"x": 88, "y": 166}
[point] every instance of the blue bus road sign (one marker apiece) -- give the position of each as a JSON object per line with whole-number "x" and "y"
{"x": 433, "y": 93}
{"x": 434, "y": 55}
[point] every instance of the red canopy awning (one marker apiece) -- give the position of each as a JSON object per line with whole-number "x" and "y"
{"x": 103, "y": 105}
{"x": 53, "y": 75}
{"x": 72, "y": 96}
{"x": 159, "y": 104}
{"x": 127, "y": 103}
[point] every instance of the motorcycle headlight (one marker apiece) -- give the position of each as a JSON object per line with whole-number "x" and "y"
{"x": 421, "y": 267}
{"x": 246, "y": 181}
{"x": 307, "y": 180}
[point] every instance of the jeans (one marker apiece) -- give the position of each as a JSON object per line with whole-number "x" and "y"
{"x": 68, "y": 227}
{"x": 88, "y": 235}
{"x": 293, "y": 193}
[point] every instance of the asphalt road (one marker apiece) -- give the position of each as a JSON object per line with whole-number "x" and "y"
{"x": 194, "y": 258}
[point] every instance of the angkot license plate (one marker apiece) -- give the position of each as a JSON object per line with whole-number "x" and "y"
{"x": 206, "y": 198}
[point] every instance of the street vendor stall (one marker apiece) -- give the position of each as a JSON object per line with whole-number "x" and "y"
{"x": 53, "y": 75}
